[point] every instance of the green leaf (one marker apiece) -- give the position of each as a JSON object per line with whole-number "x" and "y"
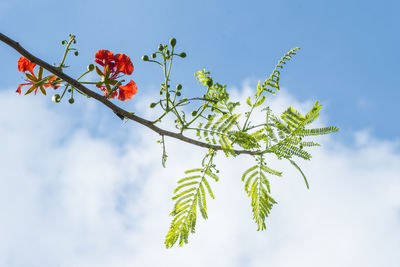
{"x": 259, "y": 102}
{"x": 33, "y": 87}
{"x": 248, "y": 101}
{"x": 42, "y": 89}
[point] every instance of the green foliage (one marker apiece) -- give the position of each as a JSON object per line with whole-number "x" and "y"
{"x": 219, "y": 128}
{"x": 272, "y": 82}
{"x": 258, "y": 189}
{"x": 216, "y": 131}
{"x": 190, "y": 196}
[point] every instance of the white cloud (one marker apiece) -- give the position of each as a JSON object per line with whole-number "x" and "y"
{"x": 79, "y": 195}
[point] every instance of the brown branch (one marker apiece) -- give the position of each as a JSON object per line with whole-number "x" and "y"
{"x": 117, "y": 110}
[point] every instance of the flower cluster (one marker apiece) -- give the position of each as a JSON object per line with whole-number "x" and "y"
{"x": 37, "y": 82}
{"x": 114, "y": 67}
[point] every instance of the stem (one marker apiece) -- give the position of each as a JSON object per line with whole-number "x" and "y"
{"x": 66, "y": 52}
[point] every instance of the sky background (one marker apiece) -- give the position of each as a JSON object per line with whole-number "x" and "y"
{"x": 80, "y": 188}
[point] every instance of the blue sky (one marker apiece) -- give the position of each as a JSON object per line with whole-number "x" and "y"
{"x": 87, "y": 213}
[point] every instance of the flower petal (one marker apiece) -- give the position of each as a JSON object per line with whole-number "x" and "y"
{"x": 19, "y": 87}
{"x": 103, "y": 57}
{"x": 123, "y": 64}
{"x": 126, "y": 92}
{"x": 25, "y": 65}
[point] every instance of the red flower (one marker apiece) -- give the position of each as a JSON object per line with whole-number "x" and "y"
{"x": 126, "y": 92}
{"x": 114, "y": 66}
{"x": 37, "y": 82}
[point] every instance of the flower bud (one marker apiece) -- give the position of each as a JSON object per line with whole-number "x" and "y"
{"x": 90, "y": 67}
{"x": 172, "y": 42}
{"x": 63, "y": 42}
{"x": 178, "y": 93}
{"x": 194, "y": 113}
{"x": 209, "y": 82}
{"x": 71, "y": 100}
{"x": 179, "y": 86}
{"x": 56, "y": 98}
{"x": 160, "y": 47}
{"x": 153, "y": 55}
{"x": 152, "y": 105}
{"x": 182, "y": 55}
{"x": 145, "y": 58}
{"x": 76, "y": 53}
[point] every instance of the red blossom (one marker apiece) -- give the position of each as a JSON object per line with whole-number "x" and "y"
{"x": 126, "y": 92}
{"x": 36, "y": 82}
{"x": 115, "y": 66}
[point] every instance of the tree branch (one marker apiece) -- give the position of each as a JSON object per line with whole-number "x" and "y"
{"x": 117, "y": 110}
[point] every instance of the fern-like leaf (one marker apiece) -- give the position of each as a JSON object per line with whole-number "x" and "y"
{"x": 190, "y": 195}
{"x": 271, "y": 84}
{"x": 258, "y": 189}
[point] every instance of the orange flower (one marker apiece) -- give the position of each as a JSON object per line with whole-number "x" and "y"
{"x": 37, "y": 82}
{"x": 126, "y": 92}
{"x": 114, "y": 67}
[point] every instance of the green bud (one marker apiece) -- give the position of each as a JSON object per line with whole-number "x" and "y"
{"x": 56, "y": 98}
{"x": 209, "y": 82}
{"x": 194, "y": 113}
{"x": 179, "y": 86}
{"x": 76, "y": 53}
{"x": 145, "y": 58}
{"x": 172, "y": 42}
{"x": 63, "y": 42}
{"x": 90, "y": 67}
{"x": 69, "y": 90}
{"x": 182, "y": 55}
{"x": 178, "y": 93}
{"x": 71, "y": 100}
{"x": 153, "y": 55}
{"x": 152, "y": 105}
{"x": 160, "y": 47}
